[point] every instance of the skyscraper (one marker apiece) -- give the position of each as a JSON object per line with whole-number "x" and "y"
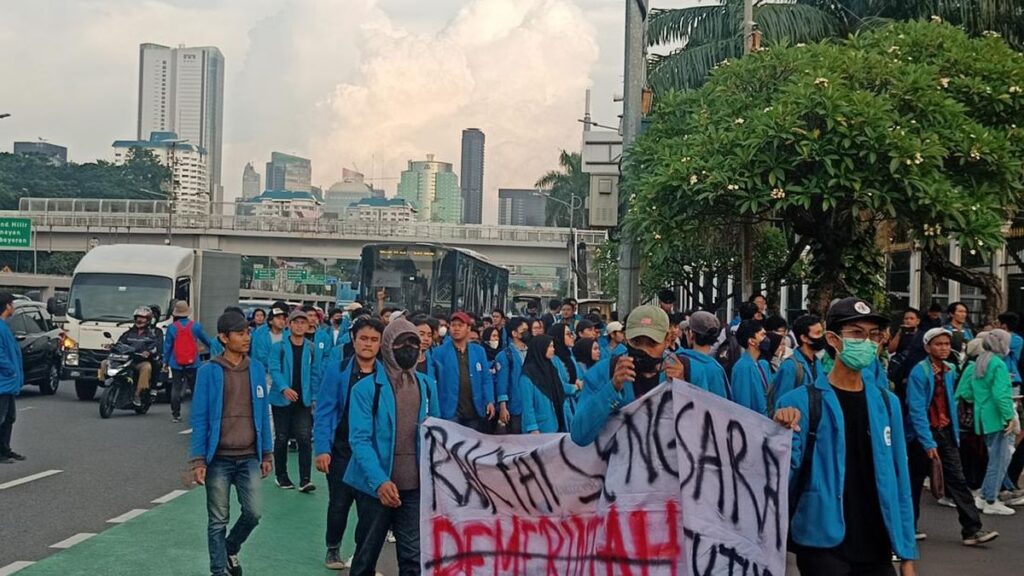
{"x": 181, "y": 90}
{"x": 520, "y": 207}
{"x": 287, "y": 172}
{"x": 250, "y": 183}
{"x": 433, "y": 190}
{"x": 188, "y": 168}
{"x": 472, "y": 175}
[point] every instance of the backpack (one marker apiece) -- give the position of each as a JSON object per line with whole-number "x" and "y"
{"x": 185, "y": 349}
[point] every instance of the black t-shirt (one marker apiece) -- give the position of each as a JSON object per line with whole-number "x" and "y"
{"x": 341, "y": 444}
{"x": 297, "y": 370}
{"x": 867, "y": 539}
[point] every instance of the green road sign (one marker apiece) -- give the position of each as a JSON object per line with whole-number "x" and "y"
{"x": 15, "y": 232}
{"x": 317, "y": 279}
{"x": 296, "y": 274}
{"x": 264, "y": 273}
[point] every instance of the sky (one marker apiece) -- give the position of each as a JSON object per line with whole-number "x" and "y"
{"x": 360, "y": 84}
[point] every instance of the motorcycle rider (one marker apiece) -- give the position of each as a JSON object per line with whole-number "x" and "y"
{"x": 144, "y": 340}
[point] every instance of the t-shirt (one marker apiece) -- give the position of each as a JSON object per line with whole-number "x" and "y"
{"x": 938, "y": 410}
{"x": 867, "y": 540}
{"x": 466, "y": 410}
{"x": 297, "y": 370}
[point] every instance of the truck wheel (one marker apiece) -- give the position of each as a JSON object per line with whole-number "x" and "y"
{"x": 85, "y": 389}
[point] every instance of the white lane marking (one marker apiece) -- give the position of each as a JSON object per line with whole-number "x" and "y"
{"x": 14, "y": 567}
{"x": 80, "y": 537}
{"x": 26, "y": 480}
{"x": 183, "y": 432}
{"x": 169, "y": 496}
{"x": 127, "y": 516}
{"x": 26, "y": 408}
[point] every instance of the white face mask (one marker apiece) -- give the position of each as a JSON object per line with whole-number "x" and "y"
{"x": 442, "y": 331}
{"x": 493, "y": 345}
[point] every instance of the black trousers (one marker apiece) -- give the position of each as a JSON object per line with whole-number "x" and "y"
{"x": 8, "y": 414}
{"x": 828, "y": 562}
{"x": 293, "y": 421}
{"x": 952, "y": 474}
{"x": 375, "y": 520}
{"x": 181, "y": 378}
{"x": 341, "y": 496}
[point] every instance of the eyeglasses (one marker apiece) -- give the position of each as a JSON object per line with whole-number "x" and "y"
{"x": 859, "y": 334}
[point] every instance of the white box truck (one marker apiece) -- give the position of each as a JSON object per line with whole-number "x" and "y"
{"x": 112, "y": 281}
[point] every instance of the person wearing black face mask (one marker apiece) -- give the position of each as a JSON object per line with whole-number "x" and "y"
{"x": 804, "y": 365}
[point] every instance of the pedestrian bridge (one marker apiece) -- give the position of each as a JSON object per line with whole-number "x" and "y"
{"x": 77, "y": 225}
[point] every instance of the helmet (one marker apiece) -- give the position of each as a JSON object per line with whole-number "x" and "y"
{"x": 143, "y": 311}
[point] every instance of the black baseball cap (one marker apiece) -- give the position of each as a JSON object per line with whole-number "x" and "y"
{"x": 231, "y": 321}
{"x": 852, "y": 309}
{"x": 279, "y": 309}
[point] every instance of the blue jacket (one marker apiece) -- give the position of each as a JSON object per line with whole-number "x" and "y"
{"x": 373, "y": 436}
{"x": 510, "y": 368}
{"x": 12, "y": 373}
{"x": 325, "y": 343}
{"x": 785, "y": 378}
{"x": 597, "y": 401}
{"x": 448, "y": 383}
{"x": 172, "y": 333}
{"x": 208, "y": 409}
{"x": 261, "y": 343}
{"x": 331, "y": 403}
{"x": 920, "y": 391}
{"x": 818, "y": 521}
{"x": 281, "y": 372}
{"x": 539, "y": 411}
{"x": 750, "y": 382}
{"x": 706, "y": 372}
{"x": 1013, "y": 358}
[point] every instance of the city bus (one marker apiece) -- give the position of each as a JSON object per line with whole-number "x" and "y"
{"x": 433, "y": 278}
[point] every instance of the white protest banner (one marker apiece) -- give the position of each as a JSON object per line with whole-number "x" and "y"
{"x": 734, "y": 476}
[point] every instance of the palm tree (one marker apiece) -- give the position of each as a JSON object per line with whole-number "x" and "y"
{"x": 704, "y": 36}
{"x": 563, "y": 187}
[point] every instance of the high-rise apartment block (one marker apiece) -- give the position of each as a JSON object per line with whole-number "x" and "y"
{"x": 251, "y": 187}
{"x": 472, "y": 175}
{"x": 432, "y": 188}
{"x": 187, "y": 162}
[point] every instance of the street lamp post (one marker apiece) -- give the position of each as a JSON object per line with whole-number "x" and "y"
{"x": 573, "y": 207}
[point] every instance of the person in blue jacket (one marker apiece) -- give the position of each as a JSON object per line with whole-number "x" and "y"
{"x": 385, "y": 413}
{"x": 426, "y": 327}
{"x": 545, "y": 392}
{"x": 231, "y": 441}
{"x": 510, "y": 362}
{"x": 615, "y": 339}
{"x": 850, "y": 485}
{"x": 295, "y": 371}
{"x": 1009, "y": 321}
{"x": 331, "y": 426}
{"x": 465, "y": 387}
{"x": 329, "y": 336}
{"x": 585, "y": 353}
{"x": 804, "y": 365}
{"x": 751, "y": 375}
{"x": 182, "y": 376}
{"x": 12, "y": 378}
{"x": 273, "y": 331}
{"x": 705, "y": 371}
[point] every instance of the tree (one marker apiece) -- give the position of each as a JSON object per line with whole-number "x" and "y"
{"x": 912, "y": 124}
{"x": 702, "y": 37}
{"x": 563, "y": 186}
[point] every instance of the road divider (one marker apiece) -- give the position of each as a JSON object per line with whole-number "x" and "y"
{"x": 14, "y": 567}
{"x": 184, "y": 432}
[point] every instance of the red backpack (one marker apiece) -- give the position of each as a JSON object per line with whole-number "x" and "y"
{"x": 185, "y": 349}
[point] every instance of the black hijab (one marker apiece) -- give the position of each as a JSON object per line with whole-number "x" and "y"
{"x": 583, "y": 351}
{"x": 485, "y": 340}
{"x": 540, "y": 370}
{"x": 557, "y": 334}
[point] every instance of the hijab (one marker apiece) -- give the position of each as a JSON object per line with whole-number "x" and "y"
{"x": 395, "y": 329}
{"x": 557, "y": 334}
{"x": 583, "y": 351}
{"x": 541, "y": 371}
{"x": 485, "y": 341}
{"x": 995, "y": 343}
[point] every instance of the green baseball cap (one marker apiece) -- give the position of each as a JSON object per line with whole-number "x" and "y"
{"x": 649, "y": 321}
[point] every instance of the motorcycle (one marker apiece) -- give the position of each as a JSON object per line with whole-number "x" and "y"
{"x": 119, "y": 382}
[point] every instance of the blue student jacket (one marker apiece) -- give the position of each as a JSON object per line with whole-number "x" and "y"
{"x": 748, "y": 387}
{"x": 510, "y": 368}
{"x": 706, "y": 372}
{"x": 1013, "y": 358}
{"x": 920, "y": 391}
{"x": 172, "y": 333}
{"x": 448, "y": 381}
{"x": 818, "y": 521}
{"x": 325, "y": 343}
{"x": 332, "y": 401}
{"x": 259, "y": 347}
{"x": 373, "y": 437}
{"x": 281, "y": 372}
{"x": 539, "y": 410}
{"x": 208, "y": 409}
{"x": 12, "y": 373}
{"x": 785, "y": 378}
{"x": 598, "y": 400}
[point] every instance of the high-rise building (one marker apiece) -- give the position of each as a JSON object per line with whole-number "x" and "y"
{"x": 287, "y": 172}
{"x": 57, "y": 155}
{"x": 432, "y": 188}
{"x": 521, "y": 207}
{"x": 188, "y": 165}
{"x": 250, "y": 183}
{"x": 181, "y": 90}
{"x": 472, "y": 175}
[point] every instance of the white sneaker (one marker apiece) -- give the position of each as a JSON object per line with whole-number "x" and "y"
{"x": 1016, "y": 502}
{"x": 997, "y": 508}
{"x": 980, "y": 503}
{"x": 946, "y": 502}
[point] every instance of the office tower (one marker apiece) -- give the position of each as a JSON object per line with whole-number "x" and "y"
{"x": 57, "y": 155}
{"x": 472, "y": 175}
{"x": 287, "y": 172}
{"x": 432, "y": 188}
{"x": 250, "y": 182}
{"x": 521, "y": 207}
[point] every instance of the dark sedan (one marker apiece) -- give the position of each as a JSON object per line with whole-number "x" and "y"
{"x": 39, "y": 338}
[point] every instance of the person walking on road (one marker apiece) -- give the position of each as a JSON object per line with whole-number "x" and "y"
{"x": 231, "y": 441}
{"x": 465, "y": 385}
{"x": 295, "y": 371}
{"x": 12, "y": 378}
{"x": 182, "y": 354}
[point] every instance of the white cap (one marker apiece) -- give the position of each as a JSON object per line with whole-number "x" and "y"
{"x": 931, "y": 334}
{"x": 614, "y": 327}
{"x": 352, "y": 307}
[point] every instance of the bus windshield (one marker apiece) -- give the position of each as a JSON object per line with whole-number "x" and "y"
{"x": 400, "y": 276}
{"x": 114, "y": 297}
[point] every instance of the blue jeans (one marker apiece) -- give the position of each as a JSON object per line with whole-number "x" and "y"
{"x": 997, "y": 444}
{"x": 221, "y": 474}
{"x": 375, "y": 520}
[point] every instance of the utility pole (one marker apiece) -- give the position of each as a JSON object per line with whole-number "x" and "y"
{"x": 746, "y": 229}
{"x": 635, "y": 79}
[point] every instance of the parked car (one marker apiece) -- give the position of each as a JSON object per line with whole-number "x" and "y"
{"x": 40, "y": 340}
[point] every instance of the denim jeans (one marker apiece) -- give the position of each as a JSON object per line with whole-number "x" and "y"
{"x": 375, "y": 520}
{"x": 221, "y": 474}
{"x": 997, "y": 444}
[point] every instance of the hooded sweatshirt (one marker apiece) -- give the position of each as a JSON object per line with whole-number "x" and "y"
{"x": 237, "y": 434}
{"x": 404, "y": 383}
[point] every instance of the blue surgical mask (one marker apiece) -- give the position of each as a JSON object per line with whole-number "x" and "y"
{"x": 858, "y": 354}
